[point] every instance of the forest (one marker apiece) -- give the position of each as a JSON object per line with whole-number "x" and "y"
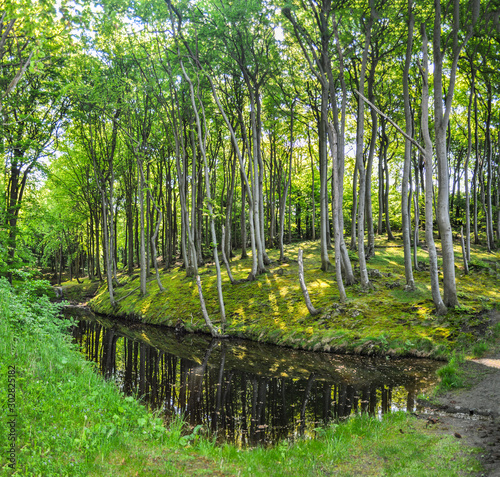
{"x": 319, "y": 174}
{"x": 150, "y": 134}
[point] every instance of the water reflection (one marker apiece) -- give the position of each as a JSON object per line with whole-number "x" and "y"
{"x": 245, "y": 392}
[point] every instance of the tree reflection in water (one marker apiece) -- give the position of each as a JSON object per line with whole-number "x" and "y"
{"x": 243, "y": 401}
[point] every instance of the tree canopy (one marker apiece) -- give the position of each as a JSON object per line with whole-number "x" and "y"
{"x": 158, "y": 133}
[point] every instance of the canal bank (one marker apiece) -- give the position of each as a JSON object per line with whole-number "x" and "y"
{"x": 244, "y": 392}
{"x": 387, "y": 320}
{"x": 73, "y": 422}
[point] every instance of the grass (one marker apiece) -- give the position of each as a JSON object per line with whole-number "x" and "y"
{"x": 458, "y": 372}
{"x": 69, "y": 421}
{"x": 450, "y": 374}
{"x": 386, "y": 320}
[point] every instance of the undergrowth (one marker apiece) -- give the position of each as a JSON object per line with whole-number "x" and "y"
{"x": 450, "y": 375}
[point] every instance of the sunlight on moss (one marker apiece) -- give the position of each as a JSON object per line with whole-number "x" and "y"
{"x": 272, "y": 308}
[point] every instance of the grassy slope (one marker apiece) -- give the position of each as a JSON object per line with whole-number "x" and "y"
{"x": 272, "y": 309}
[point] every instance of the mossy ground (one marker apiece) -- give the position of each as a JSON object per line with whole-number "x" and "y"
{"x": 385, "y": 320}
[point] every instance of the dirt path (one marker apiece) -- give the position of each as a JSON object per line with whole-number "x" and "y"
{"x": 473, "y": 414}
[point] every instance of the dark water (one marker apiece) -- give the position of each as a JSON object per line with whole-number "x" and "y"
{"x": 245, "y": 392}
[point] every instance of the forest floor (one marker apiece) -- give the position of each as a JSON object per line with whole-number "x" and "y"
{"x": 386, "y": 320}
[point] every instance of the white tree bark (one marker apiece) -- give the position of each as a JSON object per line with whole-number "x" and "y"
{"x": 313, "y": 311}
{"x": 410, "y": 282}
{"x": 336, "y": 214}
{"x": 201, "y": 131}
{"x": 441, "y": 120}
{"x": 429, "y": 216}
{"x": 365, "y": 281}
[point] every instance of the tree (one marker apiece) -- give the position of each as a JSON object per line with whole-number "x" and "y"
{"x": 32, "y": 63}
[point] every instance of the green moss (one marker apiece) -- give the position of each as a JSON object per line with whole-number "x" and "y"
{"x": 271, "y": 309}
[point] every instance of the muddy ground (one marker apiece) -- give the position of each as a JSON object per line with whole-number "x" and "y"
{"x": 473, "y": 414}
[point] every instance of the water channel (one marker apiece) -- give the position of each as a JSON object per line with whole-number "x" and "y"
{"x": 246, "y": 392}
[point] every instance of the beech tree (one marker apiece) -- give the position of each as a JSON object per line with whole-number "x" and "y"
{"x": 442, "y": 110}
{"x": 33, "y": 102}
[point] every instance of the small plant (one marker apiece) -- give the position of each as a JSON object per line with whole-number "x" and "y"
{"x": 193, "y": 437}
{"x": 450, "y": 374}
{"x": 479, "y": 349}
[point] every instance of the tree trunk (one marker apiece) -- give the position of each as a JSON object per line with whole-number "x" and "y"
{"x": 323, "y": 177}
{"x": 354, "y": 210}
{"x": 337, "y": 212}
{"x": 360, "y": 129}
{"x": 202, "y": 145}
{"x": 142, "y": 242}
{"x": 429, "y": 216}
{"x": 313, "y": 195}
{"x": 313, "y": 311}
{"x": 288, "y": 181}
{"x": 410, "y": 282}
{"x": 441, "y": 120}
{"x": 370, "y": 249}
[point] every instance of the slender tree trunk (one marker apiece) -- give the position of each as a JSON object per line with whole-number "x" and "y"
{"x": 466, "y": 166}
{"x": 323, "y": 177}
{"x": 313, "y": 311}
{"x": 224, "y": 257}
{"x": 288, "y": 181}
{"x": 410, "y": 282}
{"x": 243, "y": 226}
{"x": 154, "y": 237}
{"x": 148, "y": 221}
{"x": 441, "y": 120}
{"x": 387, "y": 186}
{"x": 354, "y": 210}
{"x": 107, "y": 249}
{"x": 256, "y": 186}
{"x": 498, "y": 195}
{"x": 253, "y": 273}
{"x": 346, "y": 261}
{"x": 370, "y": 249}
{"x": 202, "y": 145}
{"x": 381, "y": 192}
{"x": 142, "y": 243}
{"x": 490, "y": 178}
{"x": 429, "y": 216}
{"x": 336, "y": 214}
{"x": 229, "y": 206}
{"x": 313, "y": 195}
{"x": 360, "y": 129}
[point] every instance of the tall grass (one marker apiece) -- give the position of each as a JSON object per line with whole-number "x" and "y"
{"x": 67, "y": 415}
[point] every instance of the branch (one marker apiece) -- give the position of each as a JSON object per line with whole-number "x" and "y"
{"x": 18, "y": 76}
{"x": 415, "y": 143}
{"x": 213, "y": 330}
{"x": 313, "y": 311}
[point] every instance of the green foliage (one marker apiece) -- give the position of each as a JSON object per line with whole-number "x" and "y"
{"x": 451, "y": 376}
{"x": 28, "y": 307}
{"x": 479, "y": 349}
{"x": 67, "y": 415}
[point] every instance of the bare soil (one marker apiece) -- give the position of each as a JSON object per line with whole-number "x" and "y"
{"x": 472, "y": 414}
